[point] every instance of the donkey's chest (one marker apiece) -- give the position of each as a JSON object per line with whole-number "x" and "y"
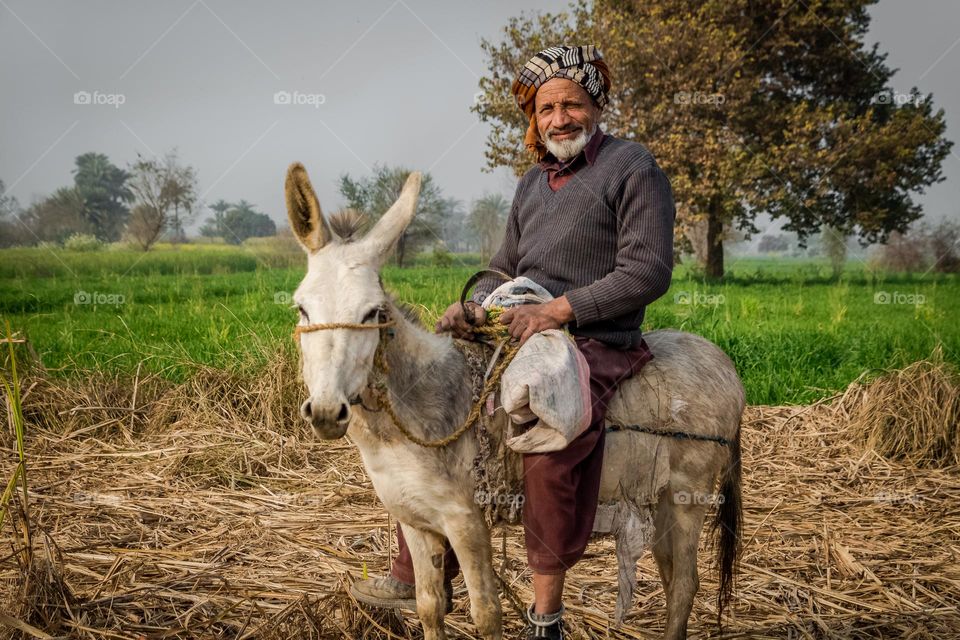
{"x": 416, "y": 485}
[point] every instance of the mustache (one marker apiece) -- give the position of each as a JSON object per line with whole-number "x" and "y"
{"x": 553, "y": 131}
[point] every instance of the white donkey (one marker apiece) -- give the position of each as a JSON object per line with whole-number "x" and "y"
{"x": 690, "y": 388}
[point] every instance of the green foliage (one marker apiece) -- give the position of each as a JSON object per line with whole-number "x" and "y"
{"x": 441, "y": 256}
{"x": 82, "y": 242}
{"x": 105, "y": 193}
{"x": 237, "y": 222}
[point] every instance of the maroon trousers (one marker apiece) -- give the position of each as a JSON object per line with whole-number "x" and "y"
{"x": 561, "y": 487}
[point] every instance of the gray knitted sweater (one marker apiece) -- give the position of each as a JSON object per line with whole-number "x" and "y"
{"x": 604, "y": 240}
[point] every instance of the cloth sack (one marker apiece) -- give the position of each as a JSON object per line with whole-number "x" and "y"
{"x": 546, "y": 388}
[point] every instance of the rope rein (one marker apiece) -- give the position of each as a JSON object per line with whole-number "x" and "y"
{"x": 491, "y": 329}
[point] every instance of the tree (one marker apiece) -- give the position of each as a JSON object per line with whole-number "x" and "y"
{"x": 773, "y": 244}
{"x": 212, "y": 228}
{"x": 235, "y": 223}
{"x": 749, "y": 107}
{"x": 488, "y": 216}
{"x": 146, "y": 224}
{"x": 58, "y": 216}
{"x": 10, "y": 227}
{"x": 105, "y": 194}
{"x": 373, "y": 195}
{"x": 163, "y": 186}
{"x": 834, "y": 243}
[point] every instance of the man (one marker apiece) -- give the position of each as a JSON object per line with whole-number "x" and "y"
{"x": 592, "y": 222}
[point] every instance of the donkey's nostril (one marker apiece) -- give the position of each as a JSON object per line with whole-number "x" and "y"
{"x": 305, "y": 410}
{"x": 344, "y": 413}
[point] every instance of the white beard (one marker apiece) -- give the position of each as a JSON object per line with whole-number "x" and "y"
{"x": 566, "y": 149}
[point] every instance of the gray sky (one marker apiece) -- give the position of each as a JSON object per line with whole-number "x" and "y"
{"x": 391, "y": 81}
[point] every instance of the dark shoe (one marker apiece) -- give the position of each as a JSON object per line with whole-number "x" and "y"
{"x": 544, "y": 627}
{"x": 389, "y": 593}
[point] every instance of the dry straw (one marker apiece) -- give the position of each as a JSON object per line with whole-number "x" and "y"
{"x": 910, "y": 414}
{"x": 203, "y": 510}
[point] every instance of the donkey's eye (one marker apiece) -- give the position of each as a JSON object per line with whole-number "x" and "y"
{"x": 303, "y": 312}
{"x": 372, "y": 316}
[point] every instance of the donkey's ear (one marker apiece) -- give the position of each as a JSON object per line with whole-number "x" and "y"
{"x": 391, "y": 225}
{"x": 306, "y": 219}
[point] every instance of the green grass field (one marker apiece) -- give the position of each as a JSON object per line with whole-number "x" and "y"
{"x": 795, "y": 334}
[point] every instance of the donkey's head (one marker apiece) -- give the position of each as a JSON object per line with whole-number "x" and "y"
{"x": 342, "y": 286}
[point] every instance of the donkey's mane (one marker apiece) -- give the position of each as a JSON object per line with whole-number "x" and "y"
{"x": 347, "y": 223}
{"x": 408, "y": 311}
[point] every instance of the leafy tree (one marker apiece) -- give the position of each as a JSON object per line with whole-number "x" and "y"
{"x": 834, "y": 243}
{"x": 487, "y": 219}
{"x": 9, "y": 207}
{"x": 373, "y": 195}
{"x": 58, "y": 216}
{"x": 10, "y": 227}
{"x": 235, "y": 223}
{"x": 748, "y": 106}
{"x": 773, "y": 244}
{"x": 104, "y": 190}
{"x": 213, "y": 226}
{"x": 167, "y": 192}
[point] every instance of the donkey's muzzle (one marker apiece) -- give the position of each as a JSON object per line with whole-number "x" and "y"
{"x": 328, "y": 422}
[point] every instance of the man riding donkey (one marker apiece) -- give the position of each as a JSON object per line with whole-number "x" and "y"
{"x": 592, "y": 222}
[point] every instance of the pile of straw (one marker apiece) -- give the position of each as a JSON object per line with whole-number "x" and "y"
{"x": 910, "y": 414}
{"x": 204, "y": 510}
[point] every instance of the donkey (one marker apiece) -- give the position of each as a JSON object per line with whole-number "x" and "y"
{"x": 690, "y": 386}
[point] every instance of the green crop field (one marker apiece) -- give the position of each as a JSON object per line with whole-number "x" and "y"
{"x": 795, "y": 334}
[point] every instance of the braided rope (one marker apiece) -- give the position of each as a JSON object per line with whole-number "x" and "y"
{"x": 308, "y": 328}
{"x": 493, "y": 329}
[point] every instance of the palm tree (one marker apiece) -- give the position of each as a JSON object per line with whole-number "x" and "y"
{"x": 487, "y": 219}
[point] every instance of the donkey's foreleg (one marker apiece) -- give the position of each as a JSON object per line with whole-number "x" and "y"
{"x": 470, "y": 538}
{"x": 685, "y": 538}
{"x": 426, "y": 550}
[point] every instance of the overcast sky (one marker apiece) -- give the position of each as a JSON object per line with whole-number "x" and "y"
{"x": 379, "y": 81}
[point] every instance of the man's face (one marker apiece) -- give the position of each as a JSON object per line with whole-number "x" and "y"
{"x": 566, "y": 117}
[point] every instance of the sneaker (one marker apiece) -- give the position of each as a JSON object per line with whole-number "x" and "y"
{"x": 389, "y": 593}
{"x": 544, "y": 627}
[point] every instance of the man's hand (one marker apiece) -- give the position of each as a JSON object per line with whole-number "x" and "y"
{"x": 452, "y": 320}
{"x": 527, "y": 319}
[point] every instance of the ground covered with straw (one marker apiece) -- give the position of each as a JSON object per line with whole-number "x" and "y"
{"x": 202, "y": 509}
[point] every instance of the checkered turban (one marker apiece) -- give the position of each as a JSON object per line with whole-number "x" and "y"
{"x": 583, "y": 65}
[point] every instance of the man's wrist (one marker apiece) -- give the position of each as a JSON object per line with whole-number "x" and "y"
{"x": 560, "y": 310}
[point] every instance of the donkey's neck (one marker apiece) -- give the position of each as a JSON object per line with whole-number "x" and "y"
{"x": 428, "y": 379}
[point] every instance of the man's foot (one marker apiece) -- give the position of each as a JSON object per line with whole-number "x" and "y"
{"x": 389, "y": 593}
{"x": 544, "y": 627}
